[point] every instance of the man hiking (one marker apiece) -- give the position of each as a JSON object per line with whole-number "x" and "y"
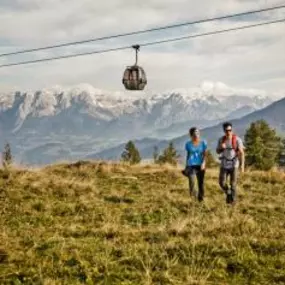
{"x": 231, "y": 150}
{"x": 195, "y": 163}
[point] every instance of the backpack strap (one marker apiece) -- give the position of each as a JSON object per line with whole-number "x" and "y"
{"x": 234, "y": 145}
{"x": 234, "y": 142}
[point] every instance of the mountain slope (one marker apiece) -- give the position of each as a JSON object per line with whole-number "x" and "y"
{"x": 273, "y": 114}
{"x": 85, "y": 120}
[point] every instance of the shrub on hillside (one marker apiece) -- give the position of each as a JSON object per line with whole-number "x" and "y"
{"x": 211, "y": 162}
{"x": 282, "y": 155}
{"x": 7, "y": 157}
{"x": 169, "y": 155}
{"x": 155, "y": 154}
{"x": 131, "y": 153}
{"x": 263, "y": 146}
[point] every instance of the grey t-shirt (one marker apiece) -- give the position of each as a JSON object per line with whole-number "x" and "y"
{"x": 229, "y": 157}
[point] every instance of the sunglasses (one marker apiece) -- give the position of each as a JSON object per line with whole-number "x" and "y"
{"x": 228, "y": 130}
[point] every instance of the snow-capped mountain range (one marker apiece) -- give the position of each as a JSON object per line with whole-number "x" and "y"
{"x": 84, "y": 119}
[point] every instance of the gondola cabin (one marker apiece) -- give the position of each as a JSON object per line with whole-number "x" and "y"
{"x": 134, "y": 77}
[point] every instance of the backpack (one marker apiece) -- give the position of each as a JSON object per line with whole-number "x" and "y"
{"x": 234, "y": 143}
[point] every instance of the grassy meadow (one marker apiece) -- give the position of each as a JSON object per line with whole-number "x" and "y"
{"x": 91, "y": 223}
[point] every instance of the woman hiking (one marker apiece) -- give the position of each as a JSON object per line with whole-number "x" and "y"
{"x": 195, "y": 163}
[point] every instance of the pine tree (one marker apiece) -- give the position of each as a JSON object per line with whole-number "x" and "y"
{"x": 282, "y": 154}
{"x": 131, "y": 153}
{"x": 7, "y": 157}
{"x": 155, "y": 154}
{"x": 169, "y": 155}
{"x": 263, "y": 146}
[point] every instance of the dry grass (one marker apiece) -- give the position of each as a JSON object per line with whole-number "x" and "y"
{"x": 99, "y": 223}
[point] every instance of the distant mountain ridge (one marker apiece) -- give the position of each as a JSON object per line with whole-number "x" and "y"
{"x": 58, "y": 123}
{"x": 273, "y": 114}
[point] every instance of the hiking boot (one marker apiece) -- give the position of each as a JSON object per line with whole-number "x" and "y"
{"x": 200, "y": 199}
{"x": 228, "y": 199}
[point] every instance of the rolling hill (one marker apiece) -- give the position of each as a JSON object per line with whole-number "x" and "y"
{"x": 88, "y": 223}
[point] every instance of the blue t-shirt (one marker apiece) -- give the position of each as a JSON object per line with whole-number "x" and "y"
{"x": 196, "y": 152}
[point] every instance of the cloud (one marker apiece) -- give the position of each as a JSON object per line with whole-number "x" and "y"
{"x": 249, "y": 58}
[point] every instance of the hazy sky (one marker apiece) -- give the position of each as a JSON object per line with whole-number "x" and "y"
{"x": 253, "y": 58}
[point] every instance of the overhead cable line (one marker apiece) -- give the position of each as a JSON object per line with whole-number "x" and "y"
{"x": 205, "y": 20}
{"x": 144, "y": 44}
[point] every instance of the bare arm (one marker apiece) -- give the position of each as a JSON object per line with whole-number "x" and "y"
{"x": 187, "y": 157}
{"x": 204, "y": 155}
{"x": 203, "y": 165}
{"x": 219, "y": 148}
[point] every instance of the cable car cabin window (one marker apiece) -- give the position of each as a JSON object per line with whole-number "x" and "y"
{"x": 133, "y": 75}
